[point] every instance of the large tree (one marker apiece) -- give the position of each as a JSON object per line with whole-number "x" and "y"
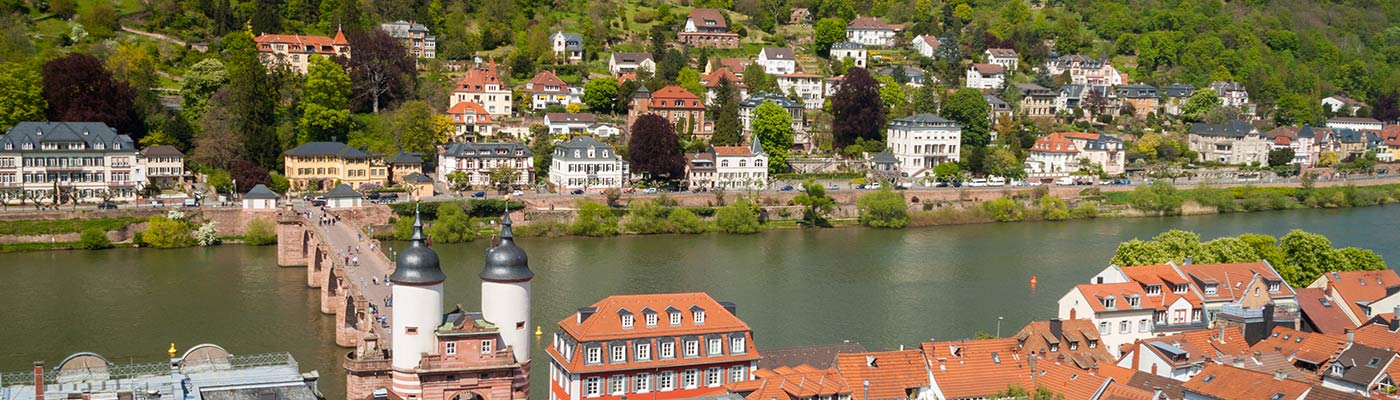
{"x": 828, "y": 31}
{"x": 968, "y": 108}
{"x": 201, "y": 81}
{"x": 725, "y": 108}
{"x": 218, "y": 143}
{"x": 654, "y": 149}
{"x": 417, "y": 128}
{"x": 325, "y": 102}
{"x": 772, "y": 128}
{"x": 21, "y": 95}
{"x": 252, "y": 101}
{"x": 601, "y": 95}
{"x": 857, "y": 110}
{"x": 381, "y": 69}
{"x": 1200, "y": 103}
{"x": 79, "y": 88}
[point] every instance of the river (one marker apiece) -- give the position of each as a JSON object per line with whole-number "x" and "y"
{"x": 882, "y": 288}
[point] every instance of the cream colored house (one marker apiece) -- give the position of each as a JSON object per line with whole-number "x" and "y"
{"x": 295, "y": 51}
{"x": 321, "y": 165}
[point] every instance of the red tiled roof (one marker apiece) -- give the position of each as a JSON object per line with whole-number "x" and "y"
{"x": 466, "y": 107}
{"x": 1326, "y": 315}
{"x": 799, "y": 75}
{"x": 1228, "y": 382}
{"x": 1080, "y": 135}
{"x": 1121, "y": 391}
{"x": 734, "y": 151}
{"x": 868, "y": 23}
{"x": 1316, "y": 348}
{"x": 792, "y": 383}
{"x": 1166, "y": 277}
{"x": 977, "y": 368}
{"x": 1095, "y": 293}
{"x": 1200, "y": 345}
{"x": 704, "y": 16}
{"x": 1232, "y": 278}
{"x": 1054, "y": 143}
{"x": 995, "y": 52}
{"x": 989, "y": 68}
{"x": 890, "y": 373}
{"x": 544, "y": 79}
{"x": 666, "y": 99}
{"x": 605, "y": 324}
{"x": 477, "y": 77}
{"x": 1038, "y": 336}
{"x": 1073, "y": 383}
{"x": 712, "y": 79}
{"x": 1282, "y": 140}
{"x": 931, "y": 40}
{"x": 1378, "y": 334}
{"x": 1352, "y": 287}
{"x": 302, "y": 43}
{"x": 1391, "y": 131}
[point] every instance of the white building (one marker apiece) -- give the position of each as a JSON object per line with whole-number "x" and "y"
{"x": 852, "y": 50}
{"x": 1353, "y": 123}
{"x": 872, "y": 31}
{"x": 1235, "y": 142}
{"x": 1303, "y": 142}
{"x": 712, "y": 80}
{"x": 1342, "y": 105}
{"x": 809, "y": 87}
{"x": 482, "y": 85}
{"x": 604, "y": 130}
{"x": 78, "y": 159}
{"x": 1084, "y": 70}
{"x": 921, "y": 142}
{"x": 985, "y": 76}
{"x": 1233, "y": 94}
{"x": 478, "y": 159}
{"x": 1006, "y": 58}
{"x": 1104, "y": 150}
{"x": 343, "y": 197}
{"x": 728, "y": 168}
{"x": 926, "y": 45}
{"x": 260, "y": 198}
{"x": 568, "y": 47}
{"x": 777, "y": 60}
{"x": 1116, "y": 308}
{"x": 621, "y": 63}
{"x": 414, "y": 37}
{"x": 470, "y": 122}
{"x": 585, "y": 163}
{"x": 546, "y": 89}
{"x": 1053, "y": 155}
{"x": 568, "y": 123}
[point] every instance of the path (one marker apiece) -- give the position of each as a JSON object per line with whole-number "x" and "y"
{"x": 372, "y": 268}
{"x": 161, "y": 37}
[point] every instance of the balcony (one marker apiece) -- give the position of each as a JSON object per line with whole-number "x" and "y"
{"x": 353, "y": 364}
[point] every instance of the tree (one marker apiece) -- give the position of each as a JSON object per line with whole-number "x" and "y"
{"x": 1199, "y": 104}
{"x": 1328, "y": 158}
{"x": 165, "y": 233}
{"x": 260, "y": 232}
{"x": 1016, "y": 392}
{"x": 737, "y": 217}
{"x": 925, "y": 100}
{"x": 133, "y": 64}
{"x": 593, "y": 219}
{"x": 1158, "y": 197}
{"x": 459, "y": 181}
{"x": 246, "y": 175}
{"x": 452, "y": 225}
{"x": 416, "y": 128}
{"x": 1306, "y": 256}
{"x": 1280, "y": 156}
{"x": 94, "y": 239}
{"x": 1052, "y": 208}
{"x": 654, "y": 149}
{"x": 826, "y": 32}
{"x": 815, "y": 204}
{"x": 772, "y": 128}
{"x": 325, "y": 104}
{"x": 725, "y": 108}
{"x": 758, "y": 80}
{"x": 218, "y": 142}
{"x": 201, "y": 81}
{"x": 100, "y": 20}
{"x": 601, "y": 95}
{"x": 970, "y": 109}
{"x": 1002, "y": 161}
{"x": 79, "y": 88}
{"x": 894, "y": 99}
{"x": 857, "y": 110}
{"x": 381, "y": 70}
{"x": 21, "y": 95}
{"x": 689, "y": 79}
{"x": 543, "y": 148}
{"x": 883, "y": 209}
{"x": 1179, "y": 244}
{"x": 503, "y": 176}
{"x": 251, "y": 102}
{"x": 947, "y": 172}
{"x": 1138, "y": 252}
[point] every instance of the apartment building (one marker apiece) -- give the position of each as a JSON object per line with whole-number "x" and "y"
{"x": 319, "y": 165}
{"x": 70, "y": 160}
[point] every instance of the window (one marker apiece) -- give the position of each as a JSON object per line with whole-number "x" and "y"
{"x": 593, "y": 386}
{"x": 1196, "y": 314}
{"x": 626, "y": 321}
{"x": 1180, "y": 288}
{"x": 1143, "y": 325}
{"x": 736, "y": 374}
{"x": 690, "y": 379}
{"x": 736, "y": 345}
{"x": 451, "y": 348}
{"x": 1104, "y": 329}
{"x": 692, "y": 348}
{"x": 1093, "y": 344}
{"x": 699, "y": 316}
{"x": 1274, "y": 287}
{"x": 486, "y": 347}
{"x": 668, "y": 349}
{"x": 1210, "y": 290}
{"x": 1124, "y": 326}
{"x": 595, "y": 355}
{"x": 642, "y": 383}
{"x": 618, "y": 384}
{"x": 651, "y": 319}
{"x": 1110, "y": 302}
{"x": 1133, "y": 301}
{"x": 715, "y": 346}
{"x": 666, "y": 381}
{"x": 1153, "y": 290}
{"x": 619, "y": 354}
{"x": 714, "y": 377}
{"x": 644, "y": 351}
{"x": 675, "y": 318}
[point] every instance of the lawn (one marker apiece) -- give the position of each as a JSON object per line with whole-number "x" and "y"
{"x": 47, "y": 227}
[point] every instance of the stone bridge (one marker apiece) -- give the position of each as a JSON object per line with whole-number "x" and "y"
{"x": 353, "y": 292}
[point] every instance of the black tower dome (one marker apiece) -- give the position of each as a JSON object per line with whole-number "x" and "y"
{"x": 418, "y": 264}
{"x": 506, "y": 262}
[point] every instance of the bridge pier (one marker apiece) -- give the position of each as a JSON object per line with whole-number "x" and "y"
{"x": 343, "y": 315}
{"x": 293, "y": 240}
{"x": 317, "y": 264}
{"x": 330, "y": 292}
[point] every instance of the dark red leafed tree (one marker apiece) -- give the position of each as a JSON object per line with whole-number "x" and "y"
{"x": 247, "y": 174}
{"x": 381, "y": 70}
{"x": 856, "y": 109}
{"x": 79, "y": 89}
{"x": 654, "y": 148}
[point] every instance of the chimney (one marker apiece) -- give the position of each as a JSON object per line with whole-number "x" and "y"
{"x": 1056, "y": 328}
{"x": 38, "y": 380}
{"x": 729, "y": 306}
{"x": 584, "y": 313}
{"x": 1395, "y": 321}
{"x": 1279, "y": 375}
{"x": 1351, "y": 336}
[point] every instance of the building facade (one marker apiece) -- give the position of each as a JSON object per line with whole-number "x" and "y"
{"x": 1084, "y": 70}
{"x": 1036, "y": 101}
{"x": 1144, "y": 99}
{"x": 985, "y": 76}
{"x": 852, "y": 50}
{"x": 546, "y": 89}
{"x": 1053, "y": 155}
{"x": 470, "y": 122}
{"x": 1006, "y": 58}
{"x": 316, "y": 165}
{"x": 164, "y": 165}
{"x": 712, "y": 81}
{"x": 482, "y": 85}
{"x": 1235, "y": 142}
{"x": 413, "y": 36}
{"x": 795, "y": 110}
{"x": 295, "y": 51}
{"x": 662, "y": 346}
{"x": 808, "y": 87}
{"x": 622, "y": 63}
{"x": 569, "y": 123}
{"x": 921, "y": 142}
{"x": 777, "y": 60}
{"x": 477, "y": 160}
{"x": 568, "y": 47}
{"x": 871, "y": 31}
{"x": 682, "y": 108}
{"x": 728, "y": 167}
{"x": 585, "y": 163}
{"x": 706, "y": 27}
{"x": 81, "y": 161}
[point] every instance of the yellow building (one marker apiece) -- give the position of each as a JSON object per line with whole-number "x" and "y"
{"x": 320, "y": 165}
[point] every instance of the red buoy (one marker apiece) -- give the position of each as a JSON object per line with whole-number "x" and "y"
{"x": 1032, "y": 281}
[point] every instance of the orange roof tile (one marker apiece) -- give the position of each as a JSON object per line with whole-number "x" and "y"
{"x": 1096, "y": 292}
{"x": 1072, "y": 340}
{"x": 674, "y": 97}
{"x": 469, "y": 107}
{"x": 989, "y": 68}
{"x": 1378, "y": 334}
{"x": 792, "y": 383}
{"x": 1227, "y": 382}
{"x": 1121, "y": 391}
{"x": 1073, "y": 383}
{"x": 1315, "y": 348}
{"x": 302, "y": 43}
{"x": 605, "y": 324}
{"x": 734, "y": 151}
{"x": 1324, "y": 313}
{"x": 1232, "y": 278}
{"x": 708, "y": 18}
{"x": 1352, "y": 287}
{"x": 476, "y": 78}
{"x": 1054, "y": 143}
{"x": 545, "y": 79}
{"x": 1166, "y": 277}
{"x": 977, "y": 368}
{"x": 891, "y": 373}
{"x": 1080, "y": 135}
{"x": 712, "y": 79}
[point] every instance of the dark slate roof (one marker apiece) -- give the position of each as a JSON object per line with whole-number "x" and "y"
{"x": 1307, "y": 132}
{"x": 417, "y": 177}
{"x": 506, "y": 262}
{"x": 473, "y": 150}
{"x": 572, "y": 41}
{"x": 1103, "y": 144}
{"x": 405, "y": 158}
{"x": 583, "y": 143}
{"x": 819, "y": 357}
{"x": 1178, "y": 90}
{"x": 261, "y": 192}
{"x": 1234, "y": 128}
{"x": 758, "y": 98}
{"x": 90, "y": 133}
{"x": 336, "y": 149}
{"x": 1137, "y": 91}
{"x": 1031, "y": 89}
{"x": 162, "y": 151}
{"x": 883, "y": 157}
{"x": 342, "y": 192}
{"x": 909, "y": 71}
{"x": 418, "y": 264}
{"x": 996, "y": 103}
{"x": 923, "y": 121}
{"x": 779, "y": 53}
{"x": 1356, "y": 361}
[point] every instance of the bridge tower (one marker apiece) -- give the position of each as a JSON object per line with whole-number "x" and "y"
{"x": 505, "y": 292}
{"x": 417, "y": 295}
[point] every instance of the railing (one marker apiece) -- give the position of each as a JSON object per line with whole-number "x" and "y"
{"x": 130, "y": 371}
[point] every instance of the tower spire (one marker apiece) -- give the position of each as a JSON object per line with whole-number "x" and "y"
{"x": 418, "y": 238}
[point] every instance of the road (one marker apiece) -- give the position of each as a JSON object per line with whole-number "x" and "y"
{"x": 344, "y": 239}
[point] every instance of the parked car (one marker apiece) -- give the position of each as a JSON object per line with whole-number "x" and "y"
{"x": 191, "y": 203}
{"x": 106, "y": 205}
{"x": 1064, "y": 181}
{"x": 979, "y": 182}
{"x": 873, "y": 186}
{"x": 942, "y": 184}
{"x": 373, "y": 196}
{"x": 786, "y": 188}
{"x": 517, "y": 193}
{"x": 388, "y": 198}
{"x": 629, "y": 190}
{"x": 996, "y": 181}
{"x": 318, "y": 202}
{"x": 832, "y": 187}
{"x": 649, "y": 190}
{"x": 479, "y": 195}
{"x": 957, "y": 184}
{"x": 576, "y": 192}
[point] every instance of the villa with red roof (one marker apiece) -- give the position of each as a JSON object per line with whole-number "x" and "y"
{"x": 1053, "y": 155}
{"x": 546, "y": 89}
{"x": 675, "y": 104}
{"x": 295, "y": 51}
{"x": 481, "y": 84}
{"x": 470, "y": 122}
{"x": 706, "y": 27}
{"x": 712, "y": 80}
{"x": 655, "y": 346}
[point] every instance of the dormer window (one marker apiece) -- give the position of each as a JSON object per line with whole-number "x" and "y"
{"x": 595, "y": 355}
{"x": 619, "y": 354}
{"x": 1093, "y": 344}
{"x": 1133, "y": 301}
{"x": 1211, "y": 289}
{"x": 1153, "y": 290}
{"x": 651, "y": 320}
{"x": 699, "y": 316}
{"x": 1110, "y": 302}
{"x": 1180, "y": 288}
{"x": 1274, "y": 287}
{"x": 626, "y": 321}
{"x": 1056, "y": 347}
{"x": 675, "y": 318}
{"x": 1337, "y": 369}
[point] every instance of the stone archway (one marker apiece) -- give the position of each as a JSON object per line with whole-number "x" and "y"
{"x": 466, "y": 396}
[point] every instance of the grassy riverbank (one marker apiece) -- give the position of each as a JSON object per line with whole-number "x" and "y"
{"x": 49, "y": 227}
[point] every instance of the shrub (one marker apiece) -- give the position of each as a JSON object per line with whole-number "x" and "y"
{"x": 1159, "y": 197}
{"x": 260, "y": 232}
{"x": 1221, "y": 199}
{"x": 545, "y": 228}
{"x": 452, "y": 225}
{"x": 1266, "y": 200}
{"x": 94, "y": 239}
{"x": 737, "y": 217}
{"x": 684, "y": 221}
{"x": 883, "y": 209}
{"x": 1052, "y": 208}
{"x": 1085, "y": 210}
{"x": 1362, "y": 197}
{"x": 207, "y": 234}
{"x": 1004, "y": 210}
{"x": 648, "y": 217}
{"x": 165, "y": 233}
{"x": 594, "y": 219}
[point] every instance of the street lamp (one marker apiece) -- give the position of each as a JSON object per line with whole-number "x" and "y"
{"x": 999, "y": 326}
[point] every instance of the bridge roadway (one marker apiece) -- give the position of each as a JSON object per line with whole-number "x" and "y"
{"x": 346, "y": 264}
{"x": 349, "y": 241}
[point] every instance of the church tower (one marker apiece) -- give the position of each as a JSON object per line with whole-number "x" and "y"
{"x": 417, "y": 311}
{"x": 505, "y": 292}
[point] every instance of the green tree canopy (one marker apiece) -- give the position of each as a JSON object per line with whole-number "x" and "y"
{"x": 968, "y": 108}
{"x": 325, "y": 103}
{"x": 826, "y": 32}
{"x": 601, "y": 95}
{"x": 883, "y": 209}
{"x": 815, "y": 204}
{"x": 738, "y": 217}
{"x": 772, "y": 128}
{"x": 725, "y": 107}
{"x": 21, "y": 95}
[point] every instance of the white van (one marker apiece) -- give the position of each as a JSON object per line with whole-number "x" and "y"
{"x": 1064, "y": 181}
{"x": 979, "y": 182}
{"x": 996, "y": 181}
